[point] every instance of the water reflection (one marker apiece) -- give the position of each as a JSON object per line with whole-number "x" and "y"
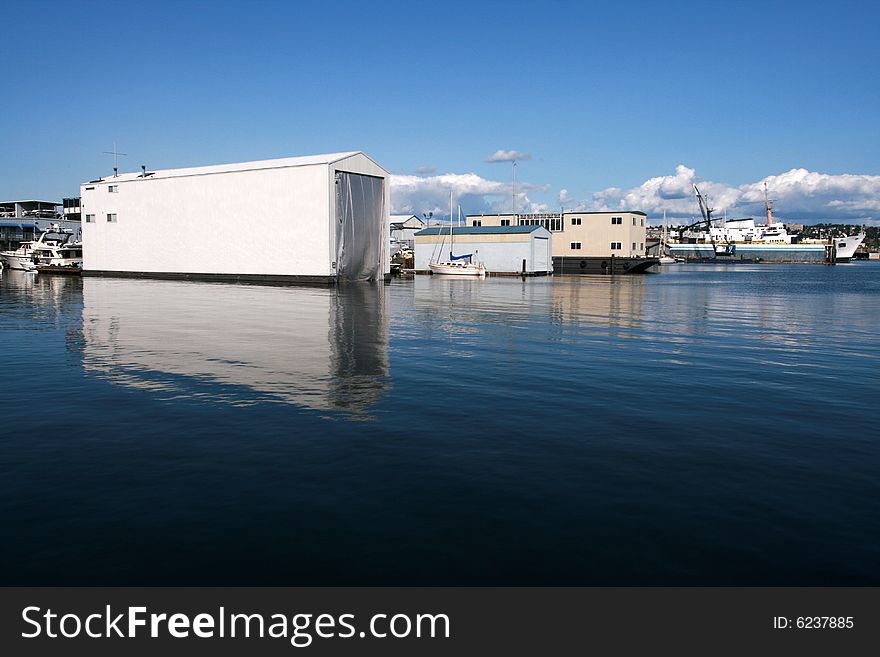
{"x": 321, "y": 348}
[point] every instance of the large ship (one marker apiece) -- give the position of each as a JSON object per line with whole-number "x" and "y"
{"x": 739, "y": 240}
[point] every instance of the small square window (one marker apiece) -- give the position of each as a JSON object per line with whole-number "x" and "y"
{"x": 478, "y": 222}
{"x": 575, "y": 246}
{"x": 505, "y": 222}
{"x": 575, "y": 221}
{"x": 111, "y": 218}
{"x": 90, "y": 218}
{"x": 112, "y": 188}
{"x": 616, "y": 246}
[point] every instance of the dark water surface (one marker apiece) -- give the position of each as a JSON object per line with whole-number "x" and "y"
{"x": 699, "y": 426}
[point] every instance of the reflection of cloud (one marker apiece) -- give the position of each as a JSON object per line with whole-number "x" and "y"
{"x": 242, "y": 345}
{"x": 799, "y": 194}
{"x": 508, "y": 156}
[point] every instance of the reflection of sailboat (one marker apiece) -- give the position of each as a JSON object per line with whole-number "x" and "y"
{"x": 324, "y": 349}
{"x": 461, "y": 265}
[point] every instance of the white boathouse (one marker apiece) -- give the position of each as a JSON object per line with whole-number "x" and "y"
{"x": 511, "y": 250}
{"x": 313, "y": 219}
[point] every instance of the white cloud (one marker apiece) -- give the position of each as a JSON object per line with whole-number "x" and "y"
{"x": 424, "y": 170}
{"x": 798, "y": 195}
{"x": 418, "y": 194}
{"x": 508, "y": 156}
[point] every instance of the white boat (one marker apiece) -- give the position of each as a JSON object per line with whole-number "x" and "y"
{"x": 21, "y": 258}
{"x": 743, "y": 239}
{"x": 663, "y": 248}
{"x": 53, "y": 244}
{"x": 461, "y": 265}
{"x": 452, "y": 268}
{"x": 68, "y": 254}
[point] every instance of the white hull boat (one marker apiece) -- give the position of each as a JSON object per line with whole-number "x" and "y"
{"x": 14, "y": 260}
{"x": 457, "y": 269}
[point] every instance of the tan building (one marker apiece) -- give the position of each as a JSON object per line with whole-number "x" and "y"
{"x": 592, "y": 234}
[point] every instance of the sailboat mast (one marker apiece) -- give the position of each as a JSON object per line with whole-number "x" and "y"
{"x": 514, "y": 193}
{"x": 451, "y": 238}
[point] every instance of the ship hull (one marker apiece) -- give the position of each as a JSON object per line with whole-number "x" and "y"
{"x": 809, "y": 252}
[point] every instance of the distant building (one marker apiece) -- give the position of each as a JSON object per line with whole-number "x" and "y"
{"x": 502, "y": 249}
{"x": 586, "y": 234}
{"x": 21, "y": 221}
{"x": 404, "y": 227}
{"x": 71, "y": 209}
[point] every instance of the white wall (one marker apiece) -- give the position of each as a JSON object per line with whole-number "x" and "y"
{"x": 268, "y": 221}
{"x": 498, "y": 256}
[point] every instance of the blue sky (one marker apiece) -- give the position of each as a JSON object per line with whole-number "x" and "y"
{"x": 598, "y": 100}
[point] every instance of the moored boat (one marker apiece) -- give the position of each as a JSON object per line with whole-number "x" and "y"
{"x": 739, "y": 240}
{"x": 52, "y": 247}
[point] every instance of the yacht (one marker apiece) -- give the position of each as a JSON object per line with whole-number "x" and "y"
{"x": 53, "y": 244}
{"x": 68, "y": 254}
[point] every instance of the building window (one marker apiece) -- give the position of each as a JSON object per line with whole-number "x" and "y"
{"x": 634, "y": 246}
{"x": 616, "y": 221}
{"x": 90, "y": 218}
{"x": 642, "y": 223}
{"x": 641, "y": 246}
{"x": 477, "y": 222}
{"x": 111, "y": 218}
{"x": 112, "y": 188}
{"x": 505, "y": 222}
{"x": 575, "y": 246}
{"x": 575, "y": 221}
{"x": 616, "y": 246}
{"x": 634, "y": 221}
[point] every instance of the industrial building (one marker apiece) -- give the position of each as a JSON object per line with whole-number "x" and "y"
{"x": 586, "y": 242}
{"x": 591, "y": 234}
{"x": 501, "y": 249}
{"x": 313, "y": 219}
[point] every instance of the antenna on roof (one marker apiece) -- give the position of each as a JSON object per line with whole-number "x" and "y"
{"x": 115, "y": 155}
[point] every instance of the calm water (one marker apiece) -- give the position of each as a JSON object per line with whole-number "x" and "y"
{"x": 699, "y": 426}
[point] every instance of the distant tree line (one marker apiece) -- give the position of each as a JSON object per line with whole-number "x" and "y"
{"x": 822, "y": 231}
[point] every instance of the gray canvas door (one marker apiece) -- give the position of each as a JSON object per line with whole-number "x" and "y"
{"x": 360, "y": 226}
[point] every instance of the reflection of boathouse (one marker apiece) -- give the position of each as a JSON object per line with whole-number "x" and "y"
{"x": 313, "y": 347}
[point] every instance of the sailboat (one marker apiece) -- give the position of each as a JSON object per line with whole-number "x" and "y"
{"x": 665, "y": 258}
{"x": 461, "y": 265}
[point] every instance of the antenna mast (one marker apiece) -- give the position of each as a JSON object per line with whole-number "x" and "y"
{"x": 115, "y": 155}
